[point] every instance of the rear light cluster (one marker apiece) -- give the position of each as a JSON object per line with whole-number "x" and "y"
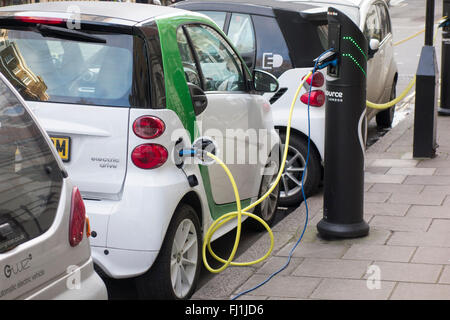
{"x": 77, "y": 218}
{"x": 317, "y": 98}
{"x": 149, "y": 155}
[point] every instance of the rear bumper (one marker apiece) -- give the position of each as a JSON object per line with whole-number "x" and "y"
{"x": 82, "y": 283}
{"x": 119, "y": 264}
{"x": 128, "y": 233}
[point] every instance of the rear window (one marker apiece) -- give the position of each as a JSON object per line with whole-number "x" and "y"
{"x": 30, "y": 178}
{"x": 67, "y": 71}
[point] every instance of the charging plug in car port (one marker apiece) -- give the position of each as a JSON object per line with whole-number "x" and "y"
{"x": 177, "y": 156}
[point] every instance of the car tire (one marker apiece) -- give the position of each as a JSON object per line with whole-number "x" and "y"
{"x": 174, "y": 275}
{"x": 267, "y": 209}
{"x": 386, "y": 117}
{"x": 292, "y": 175}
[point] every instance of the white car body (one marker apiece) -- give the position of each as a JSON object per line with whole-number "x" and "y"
{"x": 131, "y": 209}
{"x": 47, "y": 266}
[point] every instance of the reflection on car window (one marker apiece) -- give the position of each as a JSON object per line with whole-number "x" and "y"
{"x": 58, "y": 70}
{"x": 241, "y": 33}
{"x": 220, "y": 65}
{"x": 189, "y": 65}
{"x": 217, "y": 16}
{"x": 384, "y": 21}
{"x": 372, "y": 27}
{"x": 30, "y": 179}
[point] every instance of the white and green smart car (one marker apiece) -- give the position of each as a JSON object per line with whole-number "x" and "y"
{"x": 121, "y": 89}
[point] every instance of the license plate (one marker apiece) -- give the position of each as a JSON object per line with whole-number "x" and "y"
{"x": 62, "y": 145}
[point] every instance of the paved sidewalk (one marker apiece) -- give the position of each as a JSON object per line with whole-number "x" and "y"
{"x": 407, "y": 204}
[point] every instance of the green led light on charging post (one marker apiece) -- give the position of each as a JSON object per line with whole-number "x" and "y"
{"x": 356, "y": 45}
{"x": 348, "y": 55}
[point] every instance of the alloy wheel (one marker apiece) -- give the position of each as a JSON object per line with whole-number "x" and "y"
{"x": 184, "y": 257}
{"x": 291, "y": 180}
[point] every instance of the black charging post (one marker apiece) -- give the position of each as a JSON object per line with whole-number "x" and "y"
{"x": 343, "y": 204}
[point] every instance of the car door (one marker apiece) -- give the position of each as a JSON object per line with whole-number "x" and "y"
{"x": 372, "y": 30}
{"x": 232, "y": 118}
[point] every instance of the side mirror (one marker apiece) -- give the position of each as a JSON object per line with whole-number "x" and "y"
{"x": 374, "y": 45}
{"x": 199, "y": 100}
{"x": 264, "y": 81}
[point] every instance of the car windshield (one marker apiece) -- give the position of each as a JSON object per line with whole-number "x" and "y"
{"x": 45, "y": 68}
{"x": 30, "y": 178}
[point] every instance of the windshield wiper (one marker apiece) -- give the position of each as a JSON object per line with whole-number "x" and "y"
{"x": 68, "y": 34}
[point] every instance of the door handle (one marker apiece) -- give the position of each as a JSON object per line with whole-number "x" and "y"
{"x": 198, "y": 97}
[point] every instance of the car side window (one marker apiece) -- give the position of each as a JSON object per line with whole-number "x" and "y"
{"x": 218, "y": 17}
{"x": 372, "y": 27}
{"x": 241, "y": 33}
{"x": 220, "y": 65}
{"x": 384, "y": 21}
{"x": 272, "y": 51}
{"x": 189, "y": 65}
{"x": 30, "y": 178}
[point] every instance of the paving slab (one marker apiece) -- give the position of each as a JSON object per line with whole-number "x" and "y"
{"x": 421, "y": 291}
{"x": 348, "y": 289}
{"x": 429, "y": 212}
{"x": 401, "y": 223}
{"x": 408, "y": 272}
{"x": 445, "y": 276}
{"x": 422, "y": 199}
{"x": 386, "y": 209}
{"x": 396, "y": 188}
{"x": 379, "y": 252}
{"x": 332, "y": 268}
{"x": 282, "y": 286}
{"x": 432, "y": 255}
{"x": 315, "y": 250}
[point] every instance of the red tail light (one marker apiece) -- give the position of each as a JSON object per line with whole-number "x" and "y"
{"x": 42, "y": 20}
{"x": 317, "y": 98}
{"x": 149, "y": 156}
{"x": 147, "y": 127}
{"x": 77, "y": 218}
{"x": 317, "y": 81}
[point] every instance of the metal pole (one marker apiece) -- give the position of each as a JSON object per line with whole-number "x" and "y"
{"x": 429, "y": 23}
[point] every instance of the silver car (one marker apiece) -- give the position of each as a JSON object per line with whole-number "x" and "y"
{"x": 44, "y": 249}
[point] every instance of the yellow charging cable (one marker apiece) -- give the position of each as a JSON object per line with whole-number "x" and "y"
{"x": 240, "y": 212}
{"x": 382, "y": 106}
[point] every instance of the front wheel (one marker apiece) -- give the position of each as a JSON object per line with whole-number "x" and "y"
{"x": 386, "y": 117}
{"x": 174, "y": 274}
